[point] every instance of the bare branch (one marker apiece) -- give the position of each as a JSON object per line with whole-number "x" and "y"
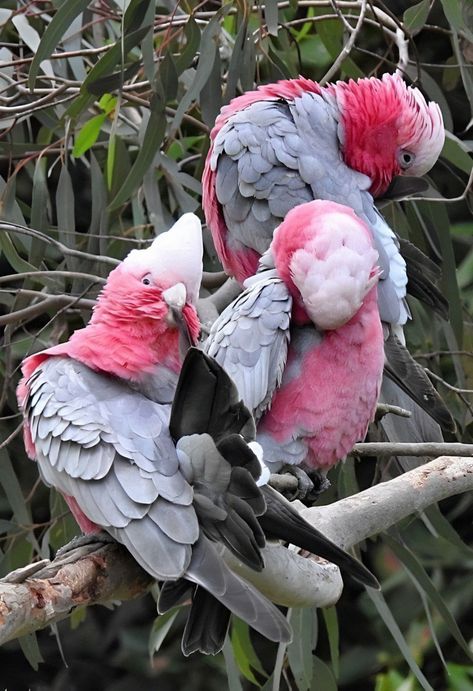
{"x": 29, "y": 602}
{"x": 385, "y": 449}
{"x": 32, "y": 599}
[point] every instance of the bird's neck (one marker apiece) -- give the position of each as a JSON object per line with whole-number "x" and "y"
{"x": 131, "y": 353}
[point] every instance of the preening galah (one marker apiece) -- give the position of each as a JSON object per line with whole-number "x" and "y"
{"x": 97, "y": 421}
{"x": 304, "y": 342}
{"x": 287, "y": 143}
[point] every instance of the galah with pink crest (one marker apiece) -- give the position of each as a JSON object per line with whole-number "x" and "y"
{"x": 293, "y": 141}
{"x": 174, "y": 489}
{"x": 304, "y": 342}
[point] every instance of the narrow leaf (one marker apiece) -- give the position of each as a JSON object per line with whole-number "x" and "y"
{"x": 151, "y": 141}
{"x": 243, "y": 651}
{"x": 415, "y": 17}
{"x": 234, "y": 683}
{"x": 30, "y": 648}
{"x": 88, "y": 135}
{"x": 385, "y": 613}
{"x": 299, "y": 652}
{"x": 58, "y": 26}
{"x": 331, "y": 624}
{"x": 160, "y": 630}
{"x": 412, "y": 564}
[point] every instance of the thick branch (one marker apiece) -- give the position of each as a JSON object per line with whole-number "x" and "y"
{"x": 376, "y": 509}
{"x": 84, "y": 576}
{"x": 30, "y": 601}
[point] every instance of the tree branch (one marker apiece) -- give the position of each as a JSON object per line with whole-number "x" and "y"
{"x": 41, "y": 594}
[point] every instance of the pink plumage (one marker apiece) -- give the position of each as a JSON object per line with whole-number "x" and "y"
{"x": 326, "y": 392}
{"x": 332, "y": 398}
{"x": 133, "y": 332}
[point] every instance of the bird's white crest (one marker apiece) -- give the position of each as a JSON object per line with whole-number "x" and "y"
{"x": 174, "y": 257}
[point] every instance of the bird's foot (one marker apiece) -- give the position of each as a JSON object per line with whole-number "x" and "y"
{"x": 295, "y": 483}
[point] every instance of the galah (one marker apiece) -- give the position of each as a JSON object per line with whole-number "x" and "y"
{"x": 174, "y": 493}
{"x": 287, "y": 143}
{"x": 304, "y": 342}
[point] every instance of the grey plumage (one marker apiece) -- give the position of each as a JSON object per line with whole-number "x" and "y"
{"x": 250, "y": 340}
{"x": 130, "y": 482}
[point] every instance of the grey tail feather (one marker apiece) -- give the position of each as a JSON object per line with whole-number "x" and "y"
{"x": 207, "y": 621}
{"x": 420, "y": 427}
{"x": 409, "y": 376}
{"x": 209, "y": 570}
{"x": 282, "y": 522}
{"x": 207, "y": 401}
{"x": 422, "y": 275}
{"x": 206, "y": 626}
{"x": 173, "y": 594}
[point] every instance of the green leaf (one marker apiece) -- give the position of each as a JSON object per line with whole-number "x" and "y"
{"x": 186, "y": 57}
{"x": 30, "y": 648}
{"x": 410, "y": 562}
{"x": 160, "y": 630}
{"x": 58, "y": 26}
{"x": 12, "y": 489}
{"x": 453, "y": 12}
{"x": 208, "y": 47}
{"x": 436, "y": 216}
{"x": 299, "y": 652}
{"x": 455, "y": 151}
{"x": 151, "y": 141}
{"x": 415, "y": 17}
{"x": 385, "y": 613}
{"x": 322, "y": 678}
{"x": 88, "y": 135}
{"x": 331, "y": 624}
{"x": 234, "y": 683}
{"x": 105, "y": 66}
{"x": 243, "y": 651}
{"x": 271, "y": 16}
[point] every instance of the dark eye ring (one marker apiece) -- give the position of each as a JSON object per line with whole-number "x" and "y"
{"x": 146, "y": 281}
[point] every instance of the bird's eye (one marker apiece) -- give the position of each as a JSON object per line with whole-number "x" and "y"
{"x": 406, "y": 159}
{"x": 146, "y": 280}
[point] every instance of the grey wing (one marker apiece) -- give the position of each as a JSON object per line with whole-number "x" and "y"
{"x": 257, "y": 176}
{"x": 250, "y": 340}
{"x": 109, "y": 448}
{"x": 273, "y": 156}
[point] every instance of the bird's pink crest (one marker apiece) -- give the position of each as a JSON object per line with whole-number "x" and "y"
{"x": 388, "y": 129}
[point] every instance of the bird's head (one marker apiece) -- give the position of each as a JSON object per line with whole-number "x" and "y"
{"x": 388, "y": 129}
{"x": 157, "y": 287}
{"x": 325, "y": 255}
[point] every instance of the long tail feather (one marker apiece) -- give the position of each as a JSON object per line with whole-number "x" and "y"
{"x": 401, "y": 367}
{"x": 282, "y": 522}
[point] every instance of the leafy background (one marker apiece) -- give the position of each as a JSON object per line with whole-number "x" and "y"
{"x": 105, "y": 110}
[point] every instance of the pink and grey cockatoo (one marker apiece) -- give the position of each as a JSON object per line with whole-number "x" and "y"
{"x": 97, "y": 421}
{"x": 287, "y": 143}
{"x": 304, "y": 342}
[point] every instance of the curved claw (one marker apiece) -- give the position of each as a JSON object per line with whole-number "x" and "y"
{"x": 303, "y": 485}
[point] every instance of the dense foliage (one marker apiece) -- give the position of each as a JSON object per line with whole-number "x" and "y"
{"x": 105, "y": 110}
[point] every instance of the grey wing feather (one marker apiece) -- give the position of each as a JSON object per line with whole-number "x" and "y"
{"x": 273, "y": 156}
{"x": 208, "y": 570}
{"x": 109, "y": 447}
{"x": 250, "y": 340}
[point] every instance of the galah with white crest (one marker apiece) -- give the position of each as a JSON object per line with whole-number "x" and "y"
{"x": 174, "y": 492}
